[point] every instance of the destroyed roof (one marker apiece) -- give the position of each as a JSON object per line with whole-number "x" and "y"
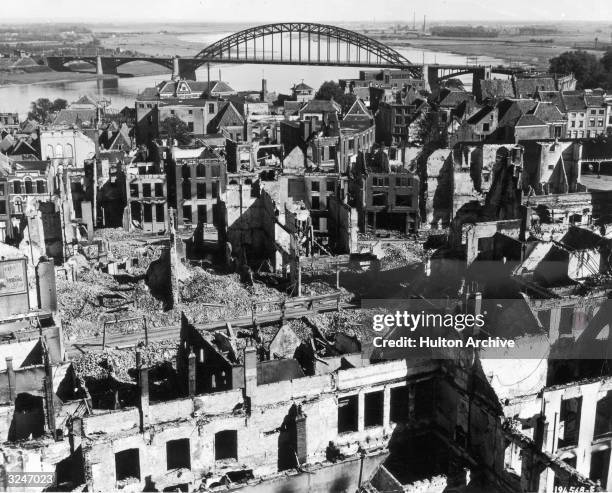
{"x": 581, "y": 239}
{"x": 534, "y": 258}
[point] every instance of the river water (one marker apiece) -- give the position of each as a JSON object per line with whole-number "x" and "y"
{"x": 123, "y": 91}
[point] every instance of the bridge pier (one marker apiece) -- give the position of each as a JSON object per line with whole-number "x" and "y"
{"x": 105, "y": 65}
{"x": 184, "y": 68}
{"x": 431, "y": 77}
{"x": 176, "y": 71}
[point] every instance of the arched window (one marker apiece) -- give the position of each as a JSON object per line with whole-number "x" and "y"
{"x": 18, "y": 206}
{"x": 41, "y": 186}
{"x": 69, "y": 150}
{"x": 17, "y": 186}
{"x": 50, "y": 154}
{"x": 59, "y": 150}
{"x": 186, "y": 171}
{"x": 201, "y": 170}
{"x": 28, "y": 185}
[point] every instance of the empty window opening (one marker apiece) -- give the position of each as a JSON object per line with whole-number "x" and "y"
{"x": 403, "y": 200}
{"x": 399, "y": 405}
{"x": 226, "y": 445}
{"x": 603, "y": 418}
{"x": 146, "y": 189}
{"x": 569, "y": 419}
{"x": 600, "y": 461}
{"x": 373, "y": 408}
{"x": 29, "y": 417}
{"x": 177, "y": 454}
{"x": 201, "y": 190}
{"x": 127, "y": 464}
{"x": 379, "y": 199}
{"x": 348, "y": 414}
{"x": 159, "y": 189}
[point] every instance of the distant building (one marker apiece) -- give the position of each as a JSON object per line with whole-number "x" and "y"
{"x": 195, "y": 103}
{"x": 302, "y": 92}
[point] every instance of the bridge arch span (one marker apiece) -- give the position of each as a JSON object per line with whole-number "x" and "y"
{"x": 314, "y": 47}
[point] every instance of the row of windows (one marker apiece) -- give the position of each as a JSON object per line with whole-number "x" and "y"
{"x": 158, "y": 190}
{"x": 60, "y": 151}
{"x": 330, "y": 186}
{"x": 178, "y": 455}
{"x": 147, "y": 212}
{"x": 214, "y": 171}
{"x": 27, "y": 186}
{"x": 201, "y": 190}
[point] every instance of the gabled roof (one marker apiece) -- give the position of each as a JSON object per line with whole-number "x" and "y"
{"x": 301, "y": 87}
{"x": 321, "y": 106}
{"x": 450, "y": 98}
{"x": 358, "y": 109}
{"x": 529, "y": 121}
{"x": 547, "y": 112}
{"x": 511, "y": 110}
{"x": 228, "y": 116}
{"x": 85, "y": 101}
{"x": 480, "y": 115}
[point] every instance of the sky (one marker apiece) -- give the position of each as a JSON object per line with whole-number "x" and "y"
{"x": 261, "y": 11}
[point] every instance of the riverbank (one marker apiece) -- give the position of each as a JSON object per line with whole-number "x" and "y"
{"x": 133, "y": 69}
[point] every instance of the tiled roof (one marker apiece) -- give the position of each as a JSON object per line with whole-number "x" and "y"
{"x": 573, "y": 101}
{"x": 321, "y": 106}
{"x": 547, "y": 112}
{"x": 529, "y": 121}
{"x": 480, "y": 115}
{"x": 450, "y": 98}
{"x": 302, "y": 87}
{"x": 75, "y": 116}
{"x": 528, "y": 86}
{"x": 496, "y": 88}
{"x": 227, "y": 116}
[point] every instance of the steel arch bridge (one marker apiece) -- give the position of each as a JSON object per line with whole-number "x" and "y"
{"x": 303, "y": 43}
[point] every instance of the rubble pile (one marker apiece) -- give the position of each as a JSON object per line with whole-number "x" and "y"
{"x": 350, "y": 322}
{"x": 401, "y": 254}
{"x": 98, "y": 366}
{"x": 204, "y": 289}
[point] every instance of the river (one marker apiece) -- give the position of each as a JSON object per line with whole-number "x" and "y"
{"x": 124, "y": 90}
